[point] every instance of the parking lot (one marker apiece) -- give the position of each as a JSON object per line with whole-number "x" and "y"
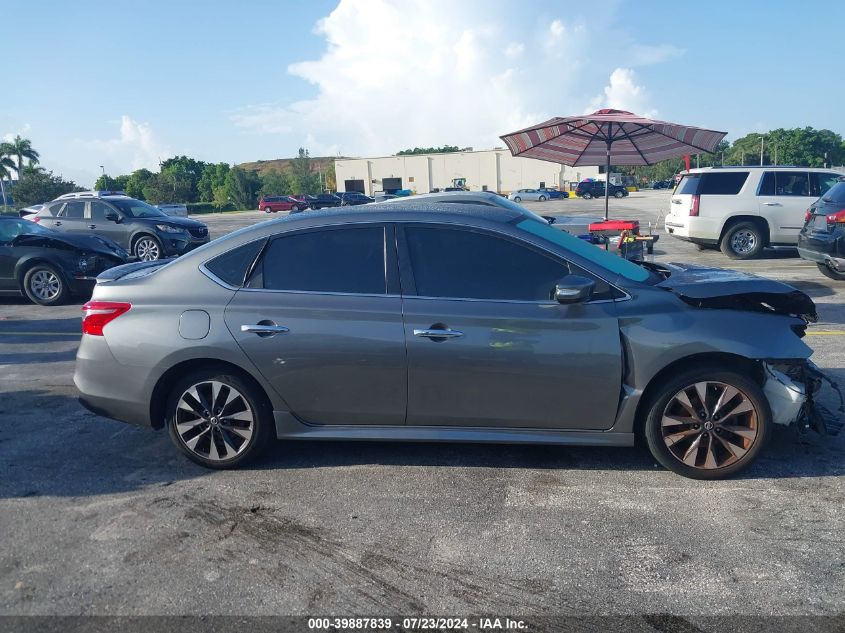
{"x": 98, "y": 517}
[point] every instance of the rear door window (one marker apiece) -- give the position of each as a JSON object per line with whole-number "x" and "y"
{"x": 792, "y": 183}
{"x": 347, "y": 260}
{"x": 74, "y": 210}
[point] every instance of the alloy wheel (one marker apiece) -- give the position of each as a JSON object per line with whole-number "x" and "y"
{"x": 743, "y": 242}
{"x": 45, "y": 285}
{"x": 709, "y": 425}
{"x": 214, "y": 421}
{"x": 147, "y": 249}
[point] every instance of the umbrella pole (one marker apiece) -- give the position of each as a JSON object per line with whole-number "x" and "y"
{"x": 607, "y": 182}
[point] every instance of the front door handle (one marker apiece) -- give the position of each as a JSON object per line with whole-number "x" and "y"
{"x": 263, "y": 329}
{"x": 772, "y": 204}
{"x": 57, "y": 223}
{"x": 92, "y": 226}
{"x": 442, "y": 334}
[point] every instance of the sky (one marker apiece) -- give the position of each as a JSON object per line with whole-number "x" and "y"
{"x": 125, "y": 84}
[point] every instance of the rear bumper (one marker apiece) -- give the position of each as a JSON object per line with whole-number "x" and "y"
{"x": 693, "y": 229}
{"x": 823, "y": 248}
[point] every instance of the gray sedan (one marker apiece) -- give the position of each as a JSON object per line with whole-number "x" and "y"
{"x": 458, "y": 323}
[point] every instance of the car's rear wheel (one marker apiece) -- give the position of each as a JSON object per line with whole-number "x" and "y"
{"x": 542, "y": 198}
{"x": 44, "y": 285}
{"x": 827, "y": 271}
{"x": 707, "y": 423}
{"x": 586, "y": 195}
{"x": 268, "y": 210}
{"x": 147, "y": 248}
{"x": 618, "y": 194}
{"x": 219, "y": 420}
{"x": 743, "y": 240}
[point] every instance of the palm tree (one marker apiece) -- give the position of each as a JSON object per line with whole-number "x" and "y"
{"x": 20, "y": 148}
{"x": 6, "y": 165}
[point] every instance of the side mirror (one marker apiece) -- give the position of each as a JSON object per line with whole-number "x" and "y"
{"x": 574, "y": 289}
{"x": 113, "y": 216}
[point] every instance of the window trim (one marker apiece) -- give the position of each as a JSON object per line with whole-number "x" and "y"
{"x": 406, "y": 268}
{"x": 85, "y": 211}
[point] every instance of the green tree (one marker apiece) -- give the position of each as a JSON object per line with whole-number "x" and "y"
{"x": 187, "y": 170}
{"x": 37, "y": 186}
{"x": 303, "y": 178}
{"x": 444, "y": 149}
{"x": 135, "y": 183}
{"x": 213, "y": 177}
{"x": 275, "y": 183}
{"x": 20, "y": 148}
{"x": 107, "y": 183}
{"x": 330, "y": 178}
{"x": 241, "y": 187}
{"x": 220, "y": 197}
{"x": 166, "y": 187}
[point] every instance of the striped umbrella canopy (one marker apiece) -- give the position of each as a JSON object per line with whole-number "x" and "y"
{"x": 610, "y": 136}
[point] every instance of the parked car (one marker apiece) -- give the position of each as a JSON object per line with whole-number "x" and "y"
{"x": 352, "y": 198}
{"x": 145, "y": 231}
{"x": 595, "y": 189}
{"x": 742, "y": 210}
{"x": 452, "y": 323}
{"x": 822, "y": 238}
{"x": 274, "y": 204}
{"x": 30, "y": 212}
{"x": 49, "y": 267}
{"x": 527, "y": 194}
{"x": 661, "y": 184}
{"x": 553, "y": 194}
{"x": 173, "y": 208}
{"x": 324, "y": 201}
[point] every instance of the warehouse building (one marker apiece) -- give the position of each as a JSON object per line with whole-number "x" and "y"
{"x": 489, "y": 170}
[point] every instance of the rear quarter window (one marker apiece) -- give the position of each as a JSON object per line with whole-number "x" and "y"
{"x": 232, "y": 266}
{"x": 689, "y": 184}
{"x": 723, "y": 184}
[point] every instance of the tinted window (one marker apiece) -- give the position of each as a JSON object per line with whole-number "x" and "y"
{"x": 138, "y": 209}
{"x": 333, "y": 260}
{"x": 74, "y": 210}
{"x": 467, "y": 264}
{"x": 792, "y": 183}
{"x": 767, "y": 185}
{"x": 723, "y": 184}
{"x": 232, "y": 267}
{"x": 821, "y": 183}
{"x": 689, "y": 184}
{"x": 836, "y": 194}
{"x": 51, "y": 209}
{"x": 99, "y": 210}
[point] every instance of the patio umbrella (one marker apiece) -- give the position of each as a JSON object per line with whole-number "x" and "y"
{"x": 607, "y": 136}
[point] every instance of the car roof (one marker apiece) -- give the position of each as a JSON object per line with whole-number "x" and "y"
{"x": 389, "y": 211}
{"x": 718, "y": 168}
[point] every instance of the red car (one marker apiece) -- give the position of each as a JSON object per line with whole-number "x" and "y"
{"x": 273, "y": 204}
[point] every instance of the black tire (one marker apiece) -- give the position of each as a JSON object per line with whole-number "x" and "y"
{"x": 263, "y": 431}
{"x": 140, "y": 248}
{"x": 618, "y": 194}
{"x": 268, "y": 210}
{"x": 828, "y": 272}
{"x": 45, "y": 285}
{"x": 658, "y": 445}
{"x": 542, "y": 198}
{"x": 517, "y": 199}
{"x": 586, "y": 195}
{"x": 743, "y": 240}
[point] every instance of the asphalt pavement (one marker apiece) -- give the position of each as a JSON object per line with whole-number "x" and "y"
{"x": 98, "y": 517}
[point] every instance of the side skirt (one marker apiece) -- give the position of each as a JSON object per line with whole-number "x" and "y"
{"x": 289, "y": 428}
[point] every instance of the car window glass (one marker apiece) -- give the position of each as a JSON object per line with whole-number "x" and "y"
{"x": 74, "y": 210}
{"x": 348, "y": 260}
{"x": 821, "y": 182}
{"x": 792, "y": 183}
{"x": 767, "y": 185}
{"x": 689, "y": 184}
{"x": 836, "y": 194}
{"x": 231, "y": 267}
{"x": 99, "y": 210}
{"x": 724, "y": 184}
{"x": 467, "y": 264}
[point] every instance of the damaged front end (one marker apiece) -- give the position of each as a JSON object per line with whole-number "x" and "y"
{"x": 793, "y": 390}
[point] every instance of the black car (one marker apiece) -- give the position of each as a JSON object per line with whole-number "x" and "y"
{"x": 351, "y": 198}
{"x": 140, "y": 228}
{"x": 822, "y": 239}
{"x": 595, "y": 189}
{"x": 323, "y": 201}
{"x": 48, "y": 266}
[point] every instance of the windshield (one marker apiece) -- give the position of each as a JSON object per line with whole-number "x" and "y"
{"x": 594, "y": 254}
{"x": 513, "y": 206}
{"x": 138, "y": 209}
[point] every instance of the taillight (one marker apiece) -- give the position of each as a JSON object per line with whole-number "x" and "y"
{"x": 36, "y": 220}
{"x": 696, "y": 200}
{"x": 808, "y": 216}
{"x": 837, "y": 218}
{"x": 98, "y": 314}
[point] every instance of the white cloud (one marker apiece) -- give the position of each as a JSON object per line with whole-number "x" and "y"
{"x": 135, "y": 147}
{"x": 623, "y": 93}
{"x": 645, "y": 55}
{"x": 432, "y": 72}
{"x": 8, "y": 137}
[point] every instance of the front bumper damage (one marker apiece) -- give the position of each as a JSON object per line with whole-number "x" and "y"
{"x": 793, "y": 391}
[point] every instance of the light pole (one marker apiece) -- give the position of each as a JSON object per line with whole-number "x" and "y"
{"x": 105, "y": 182}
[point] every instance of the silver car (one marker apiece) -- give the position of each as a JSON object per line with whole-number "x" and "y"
{"x": 460, "y": 323}
{"x": 527, "y": 194}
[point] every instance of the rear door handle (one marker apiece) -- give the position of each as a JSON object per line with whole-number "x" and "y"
{"x": 265, "y": 330}
{"x": 92, "y": 226}
{"x": 772, "y": 204}
{"x": 438, "y": 333}
{"x": 57, "y": 223}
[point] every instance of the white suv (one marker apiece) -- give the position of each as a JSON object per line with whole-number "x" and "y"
{"x": 742, "y": 210}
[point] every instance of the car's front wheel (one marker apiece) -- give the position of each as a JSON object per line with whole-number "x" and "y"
{"x": 517, "y": 199}
{"x": 44, "y": 285}
{"x": 707, "y": 423}
{"x": 586, "y": 195}
{"x": 268, "y": 210}
{"x": 827, "y": 271}
{"x": 618, "y": 194}
{"x": 219, "y": 420}
{"x": 542, "y": 198}
{"x": 147, "y": 249}
{"x": 743, "y": 240}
